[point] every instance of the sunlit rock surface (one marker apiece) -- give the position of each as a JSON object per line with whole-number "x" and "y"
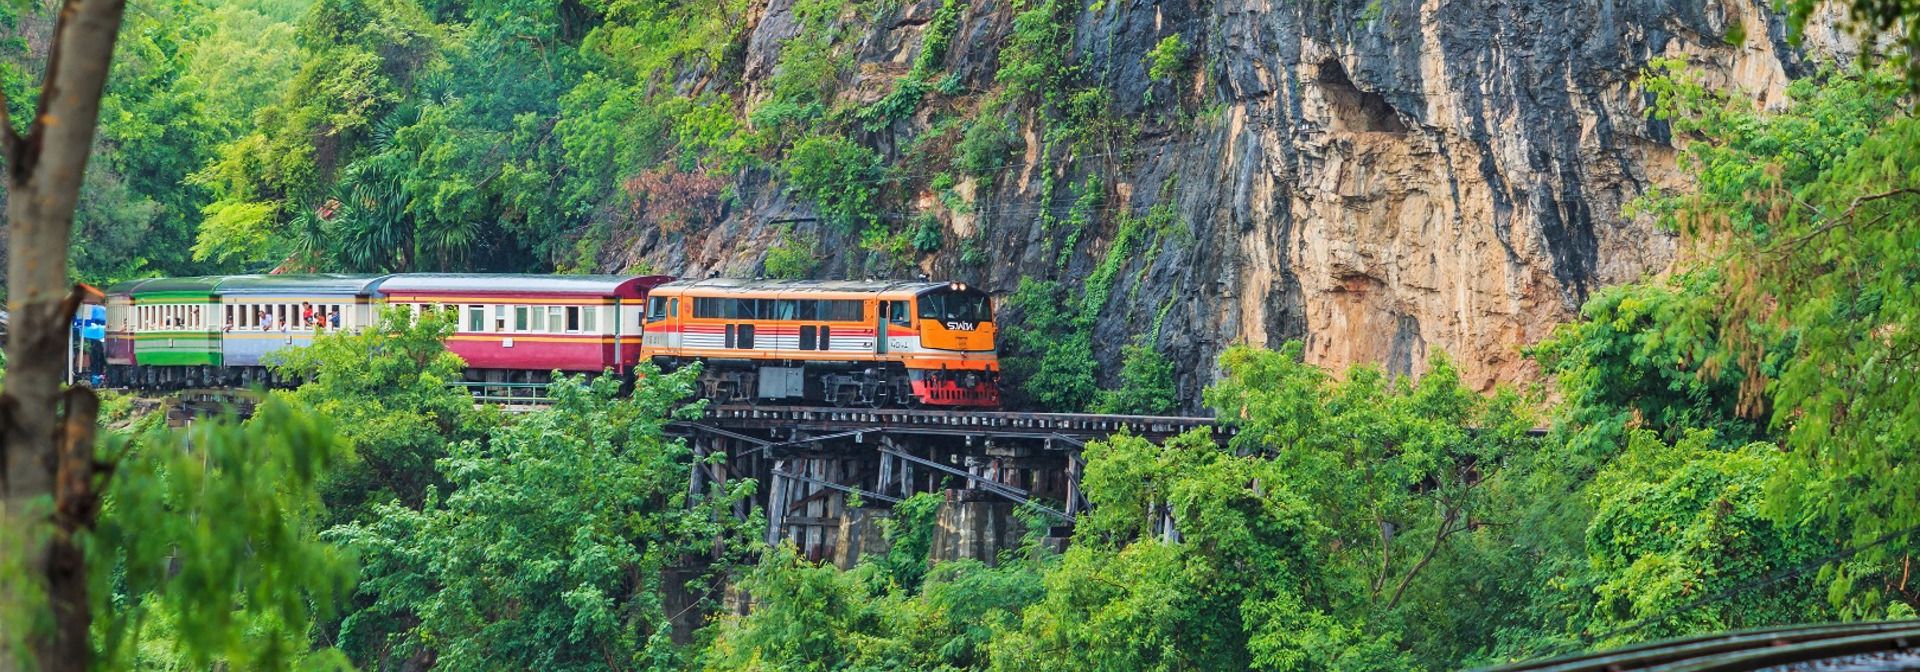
{"x": 1377, "y": 178}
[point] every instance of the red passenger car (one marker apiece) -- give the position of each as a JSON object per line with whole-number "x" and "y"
{"x": 523, "y": 326}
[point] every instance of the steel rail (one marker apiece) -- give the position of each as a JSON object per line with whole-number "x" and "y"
{"x": 1804, "y": 652}
{"x": 1738, "y": 651}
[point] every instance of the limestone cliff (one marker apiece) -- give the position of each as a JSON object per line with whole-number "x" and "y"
{"x": 1377, "y": 178}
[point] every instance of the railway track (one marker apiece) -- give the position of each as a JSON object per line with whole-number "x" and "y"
{"x": 1888, "y": 646}
{"x": 1074, "y": 427}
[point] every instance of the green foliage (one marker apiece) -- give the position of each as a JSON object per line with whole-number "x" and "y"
{"x": 1673, "y": 523}
{"x": 909, "y": 535}
{"x": 1034, "y": 63}
{"x": 793, "y": 258}
{"x": 986, "y": 147}
{"x": 1815, "y": 210}
{"x": 1146, "y": 384}
{"x": 1232, "y": 584}
{"x": 558, "y": 529}
{"x": 205, "y": 550}
{"x": 973, "y": 251}
{"x": 891, "y": 251}
{"x": 936, "y": 38}
{"x": 1371, "y": 15}
{"x": 1078, "y": 217}
{"x": 1168, "y": 57}
{"x": 243, "y": 61}
{"x": 926, "y": 235}
{"x": 839, "y": 176}
{"x": 896, "y": 105}
{"x": 1736, "y": 34}
{"x": 1747, "y": 414}
{"x": 1050, "y": 350}
{"x": 1646, "y": 356}
{"x": 158, "y": 125}
{"x": 1424, "y": 466}
{"x": 388, "y": 387}
{"x": 812, "y": 618}
{"x": 910, "y": 89}
{"x": 236, "y": 233}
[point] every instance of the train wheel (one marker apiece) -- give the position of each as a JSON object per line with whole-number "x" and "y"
{"x": 903, "y": 391}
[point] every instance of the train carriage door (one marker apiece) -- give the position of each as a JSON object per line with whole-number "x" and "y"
{"x": 880, "y": 327}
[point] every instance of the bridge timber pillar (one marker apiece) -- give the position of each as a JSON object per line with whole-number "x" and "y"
{"x": 829, "y": 476}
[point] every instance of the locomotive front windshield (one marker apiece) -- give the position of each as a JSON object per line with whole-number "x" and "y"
{"x": 948, "y": 305}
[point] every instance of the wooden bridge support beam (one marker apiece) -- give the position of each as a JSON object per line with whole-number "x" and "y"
{"x": 810, "y": 460}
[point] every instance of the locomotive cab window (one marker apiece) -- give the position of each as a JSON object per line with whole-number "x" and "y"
{"x": 897, "y": 313}
{"x": 948, "y": 305}
{"x": 656, "y": 309}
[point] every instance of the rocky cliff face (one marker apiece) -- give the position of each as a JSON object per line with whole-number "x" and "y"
{"x": 1377, "y": 178}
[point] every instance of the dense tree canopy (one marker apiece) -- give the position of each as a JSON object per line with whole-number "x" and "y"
{"x": 550, "y": 548}
{"x": 388, "y": 388}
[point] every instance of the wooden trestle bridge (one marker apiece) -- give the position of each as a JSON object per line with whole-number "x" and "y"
{"x": 812, "y": 462}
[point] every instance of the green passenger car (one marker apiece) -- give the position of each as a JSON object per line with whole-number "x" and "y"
{"x": 175, "y": 322}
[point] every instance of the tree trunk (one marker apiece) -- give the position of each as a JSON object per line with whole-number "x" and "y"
{"x": 44, "y": 170}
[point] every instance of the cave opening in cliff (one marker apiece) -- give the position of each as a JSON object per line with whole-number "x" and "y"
{"x": 1354, "y": 109}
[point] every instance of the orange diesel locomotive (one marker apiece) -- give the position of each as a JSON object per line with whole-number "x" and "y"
{"x": 842, "y": 343}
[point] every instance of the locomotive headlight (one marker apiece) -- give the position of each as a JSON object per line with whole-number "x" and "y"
{"x": 970, "y": 380}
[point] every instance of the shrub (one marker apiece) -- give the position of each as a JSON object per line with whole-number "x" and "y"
{"x": 926, "y": 238}
{"x": 1166, "y": 58}
{"x": 839, "y": 175}
{"x": 1146, "y": 384}
{"x": 792, "y": 259}
{"x": 986, "y": 147}
{"x": 1050, "y": 350}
